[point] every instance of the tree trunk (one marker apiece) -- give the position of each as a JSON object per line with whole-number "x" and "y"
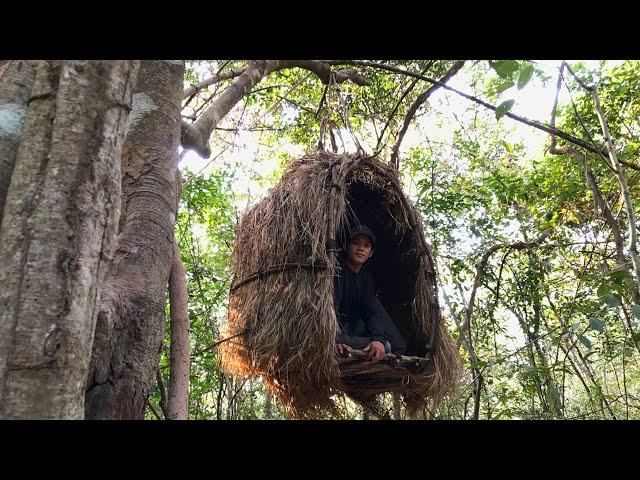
{"x": 397, "y": 407}
{"x": 16, "y": 80}
{"x": 268, "y": 405}
{"x": 180, "y": 351}
{"x": 131, "y": 319}
{"x": 58, "y": 232}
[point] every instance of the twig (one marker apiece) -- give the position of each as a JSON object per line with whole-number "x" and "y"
{"x": 215, "y": 344}
{"x": 589, "y": 175}
{"x": 394, "y": 110}
{"x": 418, "y": 102}
{"x": 153, "y": 410}
{"x": 163, "y": 393}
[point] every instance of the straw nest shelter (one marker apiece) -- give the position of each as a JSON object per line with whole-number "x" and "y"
{"x": 281, "y": 313}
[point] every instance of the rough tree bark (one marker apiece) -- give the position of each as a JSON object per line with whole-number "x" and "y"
{"x": 58, "y": 233}
{"x": 179, "y": 348}
{"x": 16, "y": 80}
{"x": 131, "y": 319}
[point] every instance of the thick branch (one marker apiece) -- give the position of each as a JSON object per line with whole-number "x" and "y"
{"x": 196, "y": 135}
{"x": 418, "y": 102}
{"x": 193, "y": 89}
{"x": 322, "y": 71}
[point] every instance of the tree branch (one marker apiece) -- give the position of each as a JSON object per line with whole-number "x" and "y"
{"x": 418, "y": 102}
{"x": 196, "y": 136}
{"x": 163, "y": 393}
{"x": 219, "y": 77}
{"x": 153, "y": 410}
{"x": 532, "y": 123}
{"x": 624, "y": 187}
{"x": 466, "y": 327}
{"x": 397, "y": 105}
{"x": 590, "y": 177}
{"x": 480, "y": 270}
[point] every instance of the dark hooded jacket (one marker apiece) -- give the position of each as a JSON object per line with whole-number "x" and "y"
{"x": 355, "y": 301}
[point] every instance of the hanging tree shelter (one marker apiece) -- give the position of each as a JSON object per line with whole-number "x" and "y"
{"x": 281, "y": 308}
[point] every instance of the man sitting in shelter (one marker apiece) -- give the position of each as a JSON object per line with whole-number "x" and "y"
{"x": 362, "y": 319}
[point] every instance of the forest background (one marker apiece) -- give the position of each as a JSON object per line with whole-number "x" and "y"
{"x": 553, "y": 328}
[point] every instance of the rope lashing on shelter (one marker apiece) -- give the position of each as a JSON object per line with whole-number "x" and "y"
{"x": 347, "y": 123}
{"x": 331, "y": 246}
{"x": 260, "y": 274}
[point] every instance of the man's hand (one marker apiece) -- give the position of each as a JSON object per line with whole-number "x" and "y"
{"x": 375, "y": 350}
{"x": 343, "y": 348}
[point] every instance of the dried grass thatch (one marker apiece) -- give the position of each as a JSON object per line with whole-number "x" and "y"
{"x": 282, "y": 295}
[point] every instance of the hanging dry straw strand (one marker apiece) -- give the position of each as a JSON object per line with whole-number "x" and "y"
{"x": 282, "y": 293}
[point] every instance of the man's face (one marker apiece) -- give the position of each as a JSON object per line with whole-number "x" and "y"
{"x": 360, "y": 249}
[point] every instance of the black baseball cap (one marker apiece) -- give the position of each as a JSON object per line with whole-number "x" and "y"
{"x": 364, "y": 230}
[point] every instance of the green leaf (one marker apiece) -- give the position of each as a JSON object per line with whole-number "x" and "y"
{"x": 596, "y": 324}
{"x": 503, "y": 108}
{"x": 525, "y": 75}
{"x": 504, "y": 68}
{"x": 611, "y": 300}
{"x": 620, "y": 274}
{"x": 508, "y": 146}
{"x": 636, "y": 310}
{"x": 585, "y": 341}
{"x": 504, "y": 86}
{"x": 603, "y": 290}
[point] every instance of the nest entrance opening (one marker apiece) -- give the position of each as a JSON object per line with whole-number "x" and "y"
{"x": 395, "y": 262}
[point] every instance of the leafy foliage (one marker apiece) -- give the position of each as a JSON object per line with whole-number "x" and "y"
{"x": 555, "y": 328}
